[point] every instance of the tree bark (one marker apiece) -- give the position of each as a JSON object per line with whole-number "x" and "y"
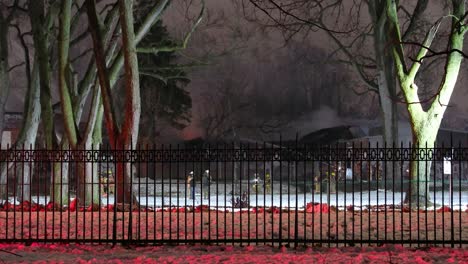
{"x": 386, "y": 86}
{"x": 60, "y": 183}
{"x": 99, "y": 55}
{"x": 39, "y": 27}
{"x": 387, "y": 77}
{"x": 28, "y": 135}
{"x": 127, "y": 137}
{"x": 64, "y": 71}
{"x": 129, "y": 134}
{"x": 26, "y": 139}
{"x": 132, "y": 80}
{"x": 4, "y": 76}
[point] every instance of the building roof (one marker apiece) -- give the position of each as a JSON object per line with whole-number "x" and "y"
{"x": 332, "y": 135}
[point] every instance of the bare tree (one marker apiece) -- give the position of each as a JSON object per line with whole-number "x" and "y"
{"x": 32, "y": 111}
{"x": 6, "y": 17}
{"x": 125, "y": 136}
{"x": 79, "y": 90}
{"x": 355, "y": 27}
{"x": 425, "y": 121}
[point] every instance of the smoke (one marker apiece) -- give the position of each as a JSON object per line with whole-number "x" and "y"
{"x": 324, "y": 117}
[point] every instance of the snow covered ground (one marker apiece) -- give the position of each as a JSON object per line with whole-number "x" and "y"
{"x": 456, "y": 201}
{"x": 341, "y": 200}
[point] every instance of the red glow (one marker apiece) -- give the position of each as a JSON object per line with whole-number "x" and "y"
{"x": 191, "y": 132}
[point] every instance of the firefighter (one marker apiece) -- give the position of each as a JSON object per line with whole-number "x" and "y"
{"x": 267, "y": 182}
{"x": 206, "y": 181}
{"x": 255, "y": 183}
{"x": 191, "y": 185}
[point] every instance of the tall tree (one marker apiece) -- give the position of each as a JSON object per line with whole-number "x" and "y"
{"x": 126, "y": 136}
{"x": 426, "y": 120}
{"x": 164, "y": 98}
{"x": 111, "y": 55}
{"x": 75, "y": 92}
{"x": 5, "y": 19}
{"x": 41, "y": 25}
{"x": 31, "y": 118}
{"x": 4, "y": 90}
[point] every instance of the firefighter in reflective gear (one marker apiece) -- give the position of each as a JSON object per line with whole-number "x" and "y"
{"x": 267, "y": 182}
{"x": 107, "y": 183}
{"x": 256, "y": 183}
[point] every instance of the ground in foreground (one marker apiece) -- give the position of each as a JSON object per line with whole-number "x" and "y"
{"x": 74, "y": 253}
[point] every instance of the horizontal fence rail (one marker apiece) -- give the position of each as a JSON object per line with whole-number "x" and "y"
{"x": 273, "y": 194}
{"x": 245, "y": 154}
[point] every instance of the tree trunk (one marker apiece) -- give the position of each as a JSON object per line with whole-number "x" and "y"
{"x": 26, "y": 138}
{"x": 418, "y": 193}
{"x": 128, "y": 137}
{"x": 64, "y": 71}
{"x": 87, "y": 189}
{"x": 131, "y": 123}
{"x": 3, "y": 182}
{"x": 389, "y": 109}
{"x": 60, "y": 184}
{"x": 92, "y": 191}
{"x": 39, "y": 29}
{"x": 386, "y": 85}
{"x": 4, "y": 76}
{"x": 28, "y": 134}
{"x": 387, "y": 75}
{"x": 390, "y": 121}
{"x": 96, "y": 141}
{"x": 129, "y": 134}
{"x": 88, "y": 179}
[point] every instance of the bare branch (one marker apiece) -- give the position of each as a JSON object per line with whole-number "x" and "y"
{"x": 64, "y": 70}
{"x": 79, "y": 38}
{"x": 21, "y": 37}
{"x": 181, "y": 66}
{"x": 154, "y": 75}
{"x": 415, "y": 17}
{"x": 423, "y": 51}
{"x": 395, "y": 38}
{"x": 16, "y": 66}
{"x": 99, "y": 55}
{"x": 432, "y": 53}
{"x": 183, "y": 45}
{"x": 13, "y": 7}
{"x": 290, "y": 14}
{"x": 352, "y": 58}
{"x": 81, "y": 55}
{"x": 109, "y": 6}
{"x": 76, "y": 18}
{"x": 153, "y": 16}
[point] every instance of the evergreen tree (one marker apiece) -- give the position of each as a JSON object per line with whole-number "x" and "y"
{"x": 165, "y": 102}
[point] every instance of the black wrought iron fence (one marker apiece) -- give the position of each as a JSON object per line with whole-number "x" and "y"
{"x": 233, "y": 193}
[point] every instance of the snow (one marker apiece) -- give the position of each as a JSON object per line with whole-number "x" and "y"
{"x": 221, "y": 201}
{"x": 339, "y": 200}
